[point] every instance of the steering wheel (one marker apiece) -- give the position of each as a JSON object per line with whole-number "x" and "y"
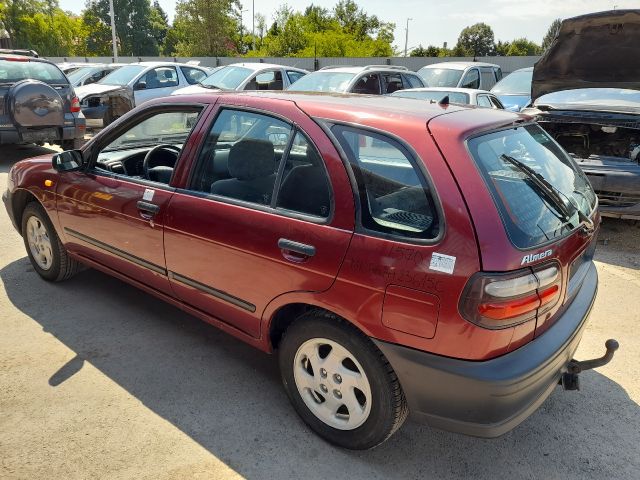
{"x": 147, "y": 163}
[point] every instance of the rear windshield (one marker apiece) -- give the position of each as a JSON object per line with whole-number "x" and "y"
{"x": 11, "y": 72}
{"x": 531, "y": 217}
{"x": 516, "y": 83}
{"x": 440, "y": 77}
{"x": 323, "y": 82}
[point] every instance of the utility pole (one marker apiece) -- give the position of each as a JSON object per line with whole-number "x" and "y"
{"x": 253, "y": 24}
{"x": 113, "y": 32}
{"x": 242, "y": 31}
{"x": 406, "y": 37}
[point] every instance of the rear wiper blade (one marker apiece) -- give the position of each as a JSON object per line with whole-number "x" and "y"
{"x": 543, "y": 186}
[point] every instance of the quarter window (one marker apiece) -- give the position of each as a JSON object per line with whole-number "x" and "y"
{"x": 193, "y": 75}
{"x": 484, "y": 101}
{"x": 392, "y": 82}
{"x": 294, "y": 76}
{"x": 412, "y": 81}
{"x": 394, "y": 198}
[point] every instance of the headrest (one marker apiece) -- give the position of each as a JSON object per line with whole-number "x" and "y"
{"x": 251, "y": 159}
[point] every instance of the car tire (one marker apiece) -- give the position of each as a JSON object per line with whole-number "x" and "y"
{"x": 44, "y": 248}
{"x": 356, "y": 402}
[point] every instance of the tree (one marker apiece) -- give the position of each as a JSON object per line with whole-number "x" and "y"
{"x": 476, "y": 40}
{"x": 159, "y": 24}
{"x": 502, "y": 48}
{"x": 206, "y": 27}
{"x": 420, "y": 51}
{"x": 551, "y": 34}
{"x": 133, "y": 25}
{"x": 523, "y": 47}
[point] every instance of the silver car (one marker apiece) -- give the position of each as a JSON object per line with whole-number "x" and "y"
{"x": 479, "y": 75}
{"x": 461, "y": 96}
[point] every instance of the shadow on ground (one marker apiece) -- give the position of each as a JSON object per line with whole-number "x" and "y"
{"x": 619, "y": 243}
{"x": 10, "y": 154}
{"x": 227, "y": 396}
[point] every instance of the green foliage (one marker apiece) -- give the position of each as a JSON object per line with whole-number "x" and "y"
{"x": 475, "y": 41}
{"x": 551, "y": 34}
{"x": 430, "y": 51}
{"x": 344, "y": 31}
{"x": 42, "y": 26}
{"x": 205, "y": 28}
{"x": 523, "y": 47}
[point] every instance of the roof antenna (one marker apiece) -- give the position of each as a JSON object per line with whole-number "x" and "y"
{"x": 444, "y": 102}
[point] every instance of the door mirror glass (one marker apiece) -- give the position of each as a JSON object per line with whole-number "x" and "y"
{"x": 140, "y": 86}
{"x": 67, "y": 161}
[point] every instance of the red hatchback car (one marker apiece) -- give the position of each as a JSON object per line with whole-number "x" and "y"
{"x": 401, "y": 257}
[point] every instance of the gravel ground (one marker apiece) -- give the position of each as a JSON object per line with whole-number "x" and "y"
{"x": 99, "y": 380}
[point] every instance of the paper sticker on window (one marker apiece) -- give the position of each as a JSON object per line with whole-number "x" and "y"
{"x": 442, "y": 263}
{"x": 147, "y": 196}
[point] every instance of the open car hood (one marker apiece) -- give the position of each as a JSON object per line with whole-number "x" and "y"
{"x": 599, "y": 50}
{"x": 95, "y": 89}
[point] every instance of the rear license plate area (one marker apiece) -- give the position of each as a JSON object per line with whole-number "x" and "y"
{"x": 41, "y": 135}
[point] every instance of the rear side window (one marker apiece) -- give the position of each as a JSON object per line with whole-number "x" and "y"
{"x": 483, "y": 101}
{"x": 392, "y": 82}
{"x": 471, "y": 79}
{"x": 488, "y": 79}
{"x": 394, "y": 196}
{"x": 412, "y": 81}
{"x": 11, "y": 72}
{"x": 294, "y": 75}
{"x": 193, "y": 75}
{"x": 529, "y": 216}
{"x": 368, "y": 84}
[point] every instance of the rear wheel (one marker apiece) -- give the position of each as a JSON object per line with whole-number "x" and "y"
{"x": 46, "y": 253}
{"x": 340, "y": 383}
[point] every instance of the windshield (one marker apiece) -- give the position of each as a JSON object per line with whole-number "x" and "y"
{"x": 517, "y": 83}
{"x": 123, "y": 75}
{"x": 228, "y": 78}
{"x": 11, "y": 72}
{"x": 601, "y": 98}
{"x": 323, "y": 82}
{"x": 436, "y": 96}
{"x": 530, "y": 216}
{"x": 80, "y": 73}
{"x": 167, "y": 127}
{"x": 440, "y": 77}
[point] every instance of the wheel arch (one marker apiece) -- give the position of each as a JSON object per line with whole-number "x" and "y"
{"x": 21, "y": 198}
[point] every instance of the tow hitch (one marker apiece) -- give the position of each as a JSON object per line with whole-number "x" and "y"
{"x": 571, "y": 381}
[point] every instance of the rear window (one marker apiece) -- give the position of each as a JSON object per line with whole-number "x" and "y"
{"x": 529, "y": 216}
{"x": 11, "y": 72}
{"x": 395, "y": 198}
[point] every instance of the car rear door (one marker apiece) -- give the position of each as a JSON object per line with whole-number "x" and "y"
{"x": 268, "y": 210}
{"x": 159, "y": 82}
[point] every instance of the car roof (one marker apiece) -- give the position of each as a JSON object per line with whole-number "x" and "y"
{"x": 525, "y": 69}
{"x": 377, "y": 111}
{"x": 23, "y": 58}
{"x": 255, "y": 66}
{"x": 358, "y": 69}
{"x": 443, "y": 89}
{"x": 165, "y": 64}
{"x": 460, "y": 65}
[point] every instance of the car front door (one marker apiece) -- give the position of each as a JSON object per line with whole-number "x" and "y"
{"x": 268, "y": 210}
{"x": 157, "y": 82}
{"x": 110, "y": 213}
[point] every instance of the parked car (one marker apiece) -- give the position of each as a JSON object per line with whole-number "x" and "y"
{"x": 461, "y": 96}
{"x": 291, "y": 220}
{"x": 38, "y": 103}
{"x": 591, "y": 105}
{"x": 68, "y": 67}
{"x": 18, "y": 51}
{"x": 133, "y": 84}
{"x": 371, "y": 80}
{"x": 514, "y": 90}
{"x": 478, "y": 75}
{"x": 247, "y": 76}
{"x": 87, "y": 75}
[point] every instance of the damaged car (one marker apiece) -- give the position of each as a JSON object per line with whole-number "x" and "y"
{"x": 591, "y": 103}
{"x": 117, "y": 93}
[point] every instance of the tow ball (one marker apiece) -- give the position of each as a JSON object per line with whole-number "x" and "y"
{"x": 571, "y": 380}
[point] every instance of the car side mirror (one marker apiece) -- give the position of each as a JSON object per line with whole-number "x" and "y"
{"x": 67, "y": 161}
{"x": 140, "y": 86}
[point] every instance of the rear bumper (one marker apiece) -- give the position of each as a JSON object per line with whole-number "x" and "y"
{"x": 489, "y": 398}
{"x": 52, "y": 135}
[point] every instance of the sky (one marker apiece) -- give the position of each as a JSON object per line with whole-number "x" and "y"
{"x": 433, "y": 23}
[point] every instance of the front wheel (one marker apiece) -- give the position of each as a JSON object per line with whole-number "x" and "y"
{"x": 46, "y": 252}
{"x": 340, "y": 383}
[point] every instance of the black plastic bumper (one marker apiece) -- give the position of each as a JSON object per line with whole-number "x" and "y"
{"x": 7, "y": 199}
{"x": 489, "y": 398}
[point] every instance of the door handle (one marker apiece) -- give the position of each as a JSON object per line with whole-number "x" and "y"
{"x": 296, "y": 251}
{"x": 149, "y": 208}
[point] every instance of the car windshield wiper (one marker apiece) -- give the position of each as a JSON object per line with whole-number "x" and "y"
{"x": 543, "y": 186}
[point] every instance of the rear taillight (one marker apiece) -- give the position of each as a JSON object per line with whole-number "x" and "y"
{"x": 75, "y": 104}
{"x": 500, "y": 300}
